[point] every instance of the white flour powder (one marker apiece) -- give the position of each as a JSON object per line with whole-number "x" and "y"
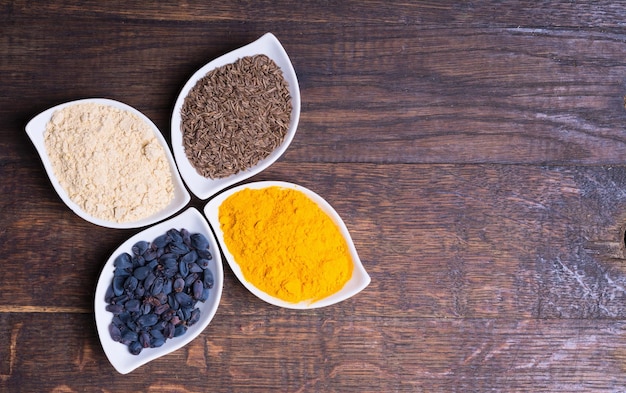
{"x": 109, "y": 162}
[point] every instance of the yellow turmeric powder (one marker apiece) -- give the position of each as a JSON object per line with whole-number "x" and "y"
{"x": 285, "y": 244}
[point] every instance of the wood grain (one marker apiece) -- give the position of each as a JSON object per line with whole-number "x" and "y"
{"x": 455, "y": 241}
{"x": 319, "y": 353}
{"x": 474, "y": 150}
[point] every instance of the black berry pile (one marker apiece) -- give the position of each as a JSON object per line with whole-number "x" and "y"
{"x": 155, "y": 289}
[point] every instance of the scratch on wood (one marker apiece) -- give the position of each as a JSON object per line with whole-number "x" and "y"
{"x": 214, "y": 350}
{"x": 502, "y": 348}
{"x": 44, "y": 309}
{"x": 160, "y": 388}
{"x": 474, "y": 354}
{"x": 250, "y": 328}
{"x": 63, "y": 389}
{"x": 355, "y": 368}
{"x": 577, "y": 276}
{"x": 12, "y": 350}
{"x": 195, "y": 354}
{"x": 567, "y": 352}
{"x": 85, "y": 356}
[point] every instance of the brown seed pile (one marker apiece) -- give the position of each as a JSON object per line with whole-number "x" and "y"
{"x": 235, "y": 116}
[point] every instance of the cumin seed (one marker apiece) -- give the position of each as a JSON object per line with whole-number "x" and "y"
{"x": 235, "y": 116}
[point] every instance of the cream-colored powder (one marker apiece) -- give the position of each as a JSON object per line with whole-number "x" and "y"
{"x": 109, "y": 162}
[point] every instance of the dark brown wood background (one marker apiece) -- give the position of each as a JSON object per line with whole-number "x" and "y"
{"x": 475, "y": 150}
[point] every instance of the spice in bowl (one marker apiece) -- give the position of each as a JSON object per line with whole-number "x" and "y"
{"x": 156, "y": 287}
{"x": 285, "y": 244}
{"x": 109, "y": 162}
{"x": 235, "y": 116}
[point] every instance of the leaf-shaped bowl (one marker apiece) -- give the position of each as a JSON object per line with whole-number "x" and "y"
{"x": 118, "y": 354}
{"x": 36, "y": 129}
{"x": 359, "y": 280}
{"x": 204, "y": 187}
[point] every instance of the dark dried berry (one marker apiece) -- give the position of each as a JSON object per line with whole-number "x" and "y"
{"x": 152, "y": 300}
{"x": 129, "y": 336}
{"x": 122, "y": 261}
{"x": 161, "y": 241}
{"x": 184, "y": 299}
{"x": 120, "y": 299}
{"x": 150, "y": 254}
{"x": 115, "y": 332}
{"x": 204, "y": 263}
{"x": 135, "y": 347}
{"x": 147, "y": 320}
{"x": 132, "y": 305}
{"x": 179, "y": 249}
{"x": 175, "y": 235}
{"x": 180, "y": 330}
{"x": 157, "y": 286}
{"x": 179, "y": 285}
{"x": 118, "y": 285}
{"x": 194, "y": 268}
{"x": 170, "y": 272}
{"x": 149, "y": 280}
{"x": 115, "y": 308}
{"x": 183, "y": 313}
{"x": 161, "y": 297}
{"x": 186, "y": 236}
{"x": 208, "y": 279}
{"x": 144, "y": 339}
{"x": 156, "y": 333}
{"x": 161, "y": 308}
{"x": 124, "y": 317}
{"x": 130, "y": 284}
{"x": 169, "y": 262}
{"x": 173, "y": 303}
{"x": 121, "y": 272}
{"x": 168, "y": 331}
{"x": 166, "y": 256}
{"x": 204, "y": 254}
{"x": 140, "y": 290}
{"x": 140, "y": 247}
{"x": 205, "y": 294}
{"x": 183, "y": 269}
{"x": 190, "y": 257}
{"x": 141, "y": 272}
{"x": 132, "y": 326}
{"x": 138, "y": 261}
{"x": 197, "y": 289}
{"x": 159, "y": 325}
{"x": 189, "y": 280}
{"x": 167, "y": 315}
{"x": 109, "y": 294}
{"x": 157, "y": 342}
{"x": 199, "y": 241}
{"x": 167, "y": 286}
{"x": 194, "y": 318}
{"x": 146, "y": 308}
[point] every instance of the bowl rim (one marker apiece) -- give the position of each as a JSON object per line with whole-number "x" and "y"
{"x": 36, "y": 128}
{"x": 360, "y": 278}
{"x": 117, "y": 353}
{"x": 201, "y": 186}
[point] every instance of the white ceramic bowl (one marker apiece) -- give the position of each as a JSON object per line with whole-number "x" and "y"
{"x": 36, "y": 129}
{"x": 118, "y": 353}
{"x": 360, "y": 279}
{"x": 204, "y": 187}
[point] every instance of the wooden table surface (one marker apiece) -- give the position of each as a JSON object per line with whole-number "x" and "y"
{"x": 476, "y": 151}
